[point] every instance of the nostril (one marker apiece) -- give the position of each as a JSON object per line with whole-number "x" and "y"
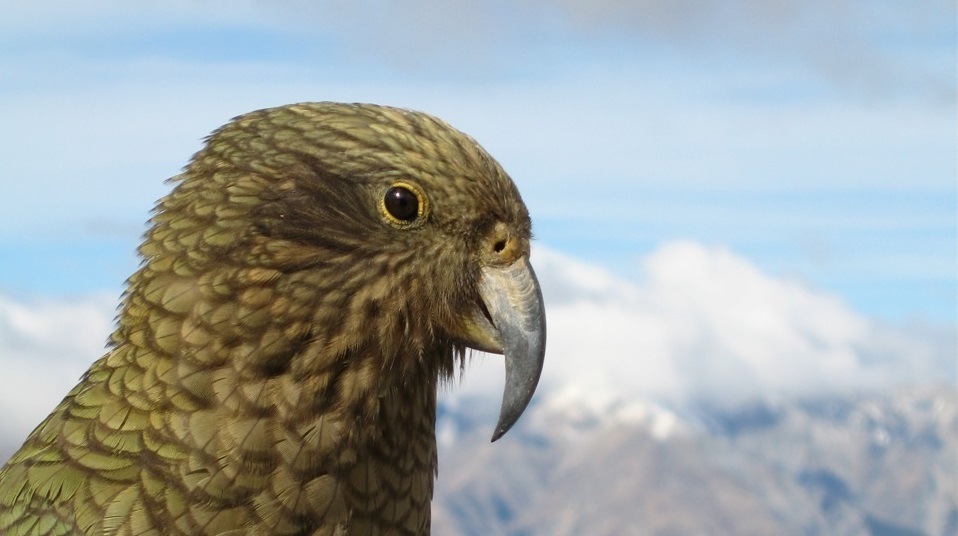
{"x": 499, "y": 246}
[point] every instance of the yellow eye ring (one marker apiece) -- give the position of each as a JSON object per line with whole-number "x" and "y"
{"x": 403, "y": 204}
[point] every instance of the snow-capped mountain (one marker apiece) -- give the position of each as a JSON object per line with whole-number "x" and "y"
{"x": 868, "y": 464}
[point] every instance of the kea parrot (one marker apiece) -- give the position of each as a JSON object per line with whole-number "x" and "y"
{"x": 316, "y": 272}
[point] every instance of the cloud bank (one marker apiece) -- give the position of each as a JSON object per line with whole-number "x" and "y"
{"x": 701, "y": 324}
{"x": 852, "y": 43}
{"x": 697, "y": 323}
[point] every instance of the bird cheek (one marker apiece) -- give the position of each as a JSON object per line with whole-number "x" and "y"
{"x": 476, "y": 329}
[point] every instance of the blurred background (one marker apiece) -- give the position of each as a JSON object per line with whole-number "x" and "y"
{"x": 745, "y": 215}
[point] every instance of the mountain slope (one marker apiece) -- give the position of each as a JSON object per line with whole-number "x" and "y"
{"x": 881, "y": 464}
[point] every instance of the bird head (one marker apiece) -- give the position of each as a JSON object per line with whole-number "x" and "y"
{"x": 378, "y": 228}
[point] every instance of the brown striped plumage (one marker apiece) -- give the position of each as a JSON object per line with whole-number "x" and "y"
{"x": 275, "y": 363}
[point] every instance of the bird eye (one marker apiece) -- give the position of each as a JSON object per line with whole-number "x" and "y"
{"x": 403, "y": 203}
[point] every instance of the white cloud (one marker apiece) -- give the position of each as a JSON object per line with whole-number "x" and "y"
{"x": 701, "y": 323}
{"x": 45, "y": 346}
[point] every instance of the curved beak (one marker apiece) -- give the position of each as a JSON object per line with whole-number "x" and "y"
{"x": 511, "y": 320}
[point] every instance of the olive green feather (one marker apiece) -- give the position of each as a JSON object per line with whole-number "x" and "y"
{"x": 276, "y": 357}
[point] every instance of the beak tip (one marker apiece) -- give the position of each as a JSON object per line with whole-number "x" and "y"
{"x": 501, "y": 428}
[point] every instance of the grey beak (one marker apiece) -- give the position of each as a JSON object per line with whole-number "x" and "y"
{"x": 513, "y": 299}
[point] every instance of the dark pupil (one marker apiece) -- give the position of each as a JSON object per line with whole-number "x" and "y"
{"x": 402, "y": 203}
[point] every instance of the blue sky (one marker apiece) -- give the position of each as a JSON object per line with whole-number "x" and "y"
{"x": 731, "y": 198}
{"x": 816, "y": 139}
